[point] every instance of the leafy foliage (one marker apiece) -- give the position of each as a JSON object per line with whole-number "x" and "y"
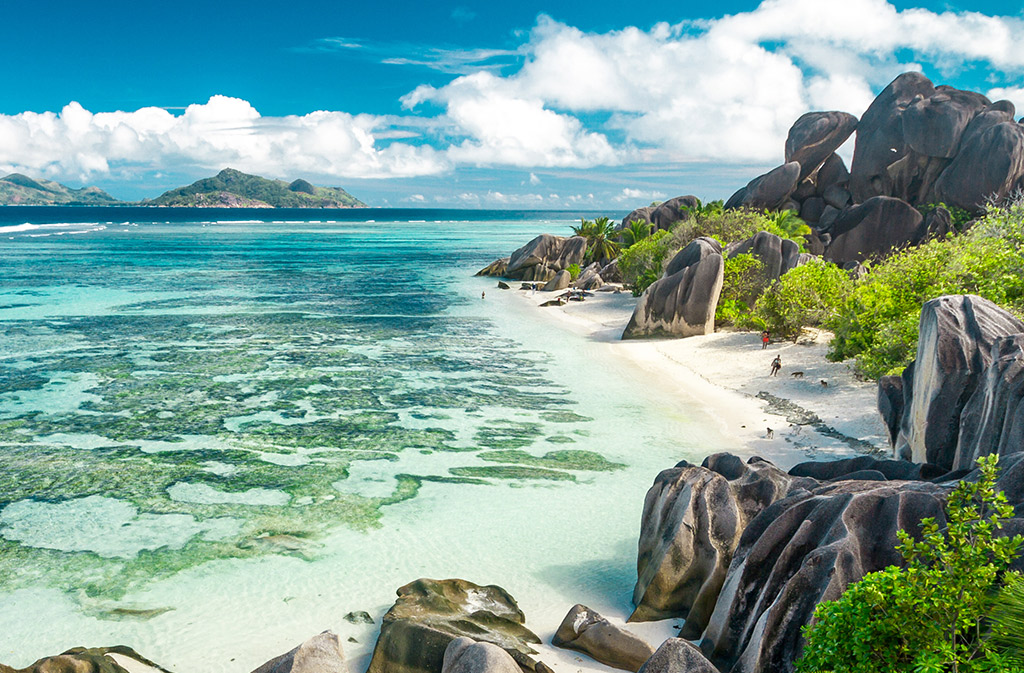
{"x": 743, "y": 281}
{"x": 878, "y": 324}
{"x": 787, "y": 224}
{"x": 959, "y": 216}
{"x": 808, "y": 296}
{"x": 637, "y": 231}
{"x": 574, "y": 271}
{"x": 1007, "y": 620}
{"x": 929, "y": 616}
{"x": 600, "y": 234}
{"x": 641, "y": 263}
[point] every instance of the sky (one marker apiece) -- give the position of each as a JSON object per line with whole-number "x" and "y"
{"x": 532, "y": 104}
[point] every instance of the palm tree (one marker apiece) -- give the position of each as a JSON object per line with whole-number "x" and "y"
{"x": 705, "y": 210}
{"x": 601, "y": 246}
{"x": 789, "y": 222}
{"x": 637, "y": 231}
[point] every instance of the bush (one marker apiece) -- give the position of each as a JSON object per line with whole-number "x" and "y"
{"x": 743, "y": 281}
{"x": 574, "y": 271}
{"x": 927, "y": 617}
{"x": 641, "y": 263}
{"x": 807, "y": 296}
{"x": 878, "y": 325}
{"x": 725, "y": 226}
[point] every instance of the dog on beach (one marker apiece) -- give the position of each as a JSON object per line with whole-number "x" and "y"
{"x": 824, "y": 383}
{"x": 797, "y": 375}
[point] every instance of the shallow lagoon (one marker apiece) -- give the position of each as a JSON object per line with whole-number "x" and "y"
{"x": 216, "y": 439}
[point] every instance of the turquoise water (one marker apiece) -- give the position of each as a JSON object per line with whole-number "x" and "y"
{"x": 205, "y": 424}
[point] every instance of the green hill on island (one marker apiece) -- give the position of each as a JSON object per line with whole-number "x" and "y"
{"x": 234, "y": 189}
{"x": 21, "y": 190}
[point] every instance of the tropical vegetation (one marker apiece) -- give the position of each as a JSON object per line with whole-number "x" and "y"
{"x": 600, "y": 234}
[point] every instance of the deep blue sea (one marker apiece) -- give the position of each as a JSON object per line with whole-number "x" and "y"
{"x": 222, "y": 430}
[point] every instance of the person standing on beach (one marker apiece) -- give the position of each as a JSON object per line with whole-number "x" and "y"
{"x": 483, "y": 294}
{"x": 776, "y": 365}
{"x": 766, "y": 338}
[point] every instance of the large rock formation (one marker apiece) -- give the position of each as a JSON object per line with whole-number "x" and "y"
{"x": 587, "y": 631}
{"x": 873, "y": 229}
{"x": 692, "y": 521}
{"x": 770, "y": 191}
{"x": 955, "y": 346}
{"x": 992, "y": 421}
{"x": 815, "y": 136}
{"x": 800, "y": 551}
{"x": 933, "y": 125}
{"x": 320, "y": 654}
{"x": 672, "y": 211}
{"x": 684, "y": 303}
{"x": 496, "y": 268}
{"x": 678, "y": 656}
{"x": 880, "y": 140}
{"x": 465, "y": 655}
{"x": 639, "y": 215}
{"x": 990, "y": 166}
{"x": 778, "y": 255}
{"x": 119, "y": 659}
{"x": 429, "y": 614}
{"x": 540, "y": 259}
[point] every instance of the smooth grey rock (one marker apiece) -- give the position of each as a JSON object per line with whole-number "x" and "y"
{"x": 610, "y": 272}
{"x": 880, "y": 140}
{"x": 828, "y": 218}
{"x": 994, "y": 114}
{"x": 890, "y": 404}
{"x": 832, "y": 172}
{"x": 695, "y": 251}
{"x": 638, "y": 215}
{"x": 835, "y": 470}
{"x": 874, "y": 228}
{"x": 672, "y": 211}
{"x": 955, "y": 345}
{"x": 561, "y": 281}
{"x": 836, "y": 196}
{"x": 990, "y": 166}
{"x": 502, "y": 285}
{"x": 465, "y": 655}
{"x": 545, "y": 256}
{"x": 682, "y": 304}
{"x": 587, "y": 631}
{"x": 992, "y": 421}
{"x": 805, "y": 189}
{"x": 429, "y": 614}
{"x": 118, "y": 659}
{"x": 362, "y": 616}
{"x": 812, "y": 208}
{"x": 769, "y": 191}
{"x": 815, "y": 136}
{"x": 692, "y": 521}
{"x": 933, "y": 125}
{"x": 778, "y": 255}
{"x": 320, "y": 654}
{"x": 496, "y": 268}
{"x": 800, "y": 551}
{"x": 678, "y": 656}
{"x": 590, "y": 278}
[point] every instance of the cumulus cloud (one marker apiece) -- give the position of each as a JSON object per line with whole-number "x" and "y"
{"x": 716, "y": 90}
{"x": 221, "y": 132}
{"x": 629, "y": 194}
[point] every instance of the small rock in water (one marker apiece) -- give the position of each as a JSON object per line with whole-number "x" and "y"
{"x": 359, "y": 617}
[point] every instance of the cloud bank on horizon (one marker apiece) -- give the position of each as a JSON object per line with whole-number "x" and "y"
{"x": 721, "y": 91}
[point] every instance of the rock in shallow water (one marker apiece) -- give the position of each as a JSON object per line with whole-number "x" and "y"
{"x": 465, "y": 655}
{"x": 119, "y": 659}
{"x": 429, "y": 614}
{"x": 587, "y": 631}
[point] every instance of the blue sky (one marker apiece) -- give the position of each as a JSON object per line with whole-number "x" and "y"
{"x": 528, "y": 104}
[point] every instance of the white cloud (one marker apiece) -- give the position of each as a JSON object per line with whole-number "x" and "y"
{"x": 722, "y": 90}
{"x": 1013, "y": 94}
{"x": 222, "y": 132}
{"x": 629, "y": 194}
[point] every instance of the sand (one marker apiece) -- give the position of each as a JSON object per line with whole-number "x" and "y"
{"x": 722, "y": 375}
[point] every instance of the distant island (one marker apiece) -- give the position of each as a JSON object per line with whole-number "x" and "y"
{"x": 228, "y": 189}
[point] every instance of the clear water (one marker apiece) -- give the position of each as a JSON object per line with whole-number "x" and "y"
{"x": 219, "y": 437}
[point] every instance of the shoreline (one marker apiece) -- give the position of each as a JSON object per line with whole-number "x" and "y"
{"x": 724, "y": 377}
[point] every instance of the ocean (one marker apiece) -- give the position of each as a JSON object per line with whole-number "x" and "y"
{"x": 222, "y": 431}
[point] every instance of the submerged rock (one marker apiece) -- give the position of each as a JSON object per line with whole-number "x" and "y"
{"x": 119, "y": 659}
{"x": 320, "y": 654}
{"x": 429, "y": 614}
{"x": 587, "y": 631}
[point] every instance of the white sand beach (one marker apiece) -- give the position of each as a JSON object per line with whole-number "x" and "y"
{"x": 722, "y": 374}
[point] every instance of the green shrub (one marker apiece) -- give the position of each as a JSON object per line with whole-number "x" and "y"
{"x": 743, "y": 281}
{"x": 726, "y": 226}
{"x": 574, "y": 271}
{"x": 959, "y": 216}
{"x": 1007, "y": 620}
{"x": 929, "y": 616}
{"x": 878, "y": 325}
{"x": 641, "y": 263}
{"x": 810, "y": 295}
